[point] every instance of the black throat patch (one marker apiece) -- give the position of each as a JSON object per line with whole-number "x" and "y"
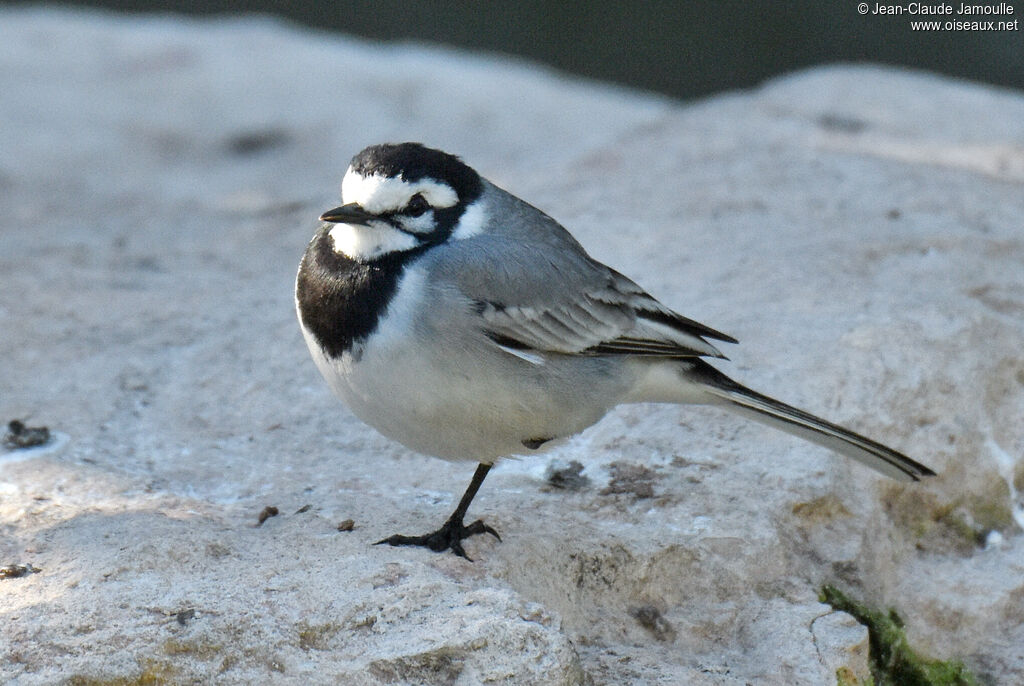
{"x": 341, "y": 300}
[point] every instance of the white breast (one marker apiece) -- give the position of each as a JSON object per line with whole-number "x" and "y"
{"x": 431, "y": 380}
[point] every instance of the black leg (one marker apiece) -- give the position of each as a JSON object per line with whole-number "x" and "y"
{"x": 451, "y": 534}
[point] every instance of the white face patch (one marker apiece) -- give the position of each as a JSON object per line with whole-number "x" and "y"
{"x": 421, "y": 224}
{"x": 378, "y": 194}
{"x": 364, "y": 243}
{"x": 471, "y": 222}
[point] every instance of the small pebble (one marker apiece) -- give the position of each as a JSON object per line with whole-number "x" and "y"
{"x": 649, "y": 617}
{"x": 16, "y": 571}
{"x": 566, "y": 476}
{"x": 268, "y": 512}
{"x": 20, "y": 436}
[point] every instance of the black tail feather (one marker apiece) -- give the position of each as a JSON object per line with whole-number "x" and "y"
{"x": 805, "y": 425}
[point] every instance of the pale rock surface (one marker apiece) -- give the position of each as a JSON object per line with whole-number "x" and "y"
{"x": 858, "y": 228}
{"x": 843, "y": 646}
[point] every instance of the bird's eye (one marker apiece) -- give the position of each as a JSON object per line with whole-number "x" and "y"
{"x": 417, "y": 205}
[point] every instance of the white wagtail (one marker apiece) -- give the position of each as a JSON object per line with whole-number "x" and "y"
{"x": 464, "y": 323}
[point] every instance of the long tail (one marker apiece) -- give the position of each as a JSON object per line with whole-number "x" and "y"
{"x": 776, "y": 414}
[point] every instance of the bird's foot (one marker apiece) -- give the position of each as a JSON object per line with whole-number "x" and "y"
{"x": 448, "y": 537}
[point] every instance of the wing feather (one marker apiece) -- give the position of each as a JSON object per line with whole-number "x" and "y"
{"x": 603, "y": 321}
{"x": 556, "y": 299}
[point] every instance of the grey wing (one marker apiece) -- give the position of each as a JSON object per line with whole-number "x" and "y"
{"x": 563, "y": 301}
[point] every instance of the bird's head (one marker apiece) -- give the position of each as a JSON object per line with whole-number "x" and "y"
{"x": 399, "y": 197}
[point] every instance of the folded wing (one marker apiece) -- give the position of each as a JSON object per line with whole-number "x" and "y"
{"x": 566, "y": 302}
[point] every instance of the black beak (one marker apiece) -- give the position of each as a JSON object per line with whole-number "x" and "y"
{"x": 351, "y": 213}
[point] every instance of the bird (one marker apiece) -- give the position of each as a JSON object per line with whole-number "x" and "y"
{"x": 466, "y": 324}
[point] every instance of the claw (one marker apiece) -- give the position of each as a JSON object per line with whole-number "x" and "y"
{"x": 448, "y": 537}
{"x": 478, "y": 527}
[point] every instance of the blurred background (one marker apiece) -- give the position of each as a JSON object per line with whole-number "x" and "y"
{"x": 684, "y": 49}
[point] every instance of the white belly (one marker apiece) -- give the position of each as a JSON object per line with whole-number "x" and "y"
{"x": 456, "y": 407}
{"x": 461, "y": 397}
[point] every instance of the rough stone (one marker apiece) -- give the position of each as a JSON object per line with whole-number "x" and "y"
{"x": 858, "y": 228}
{"x": 842, "y": 647}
